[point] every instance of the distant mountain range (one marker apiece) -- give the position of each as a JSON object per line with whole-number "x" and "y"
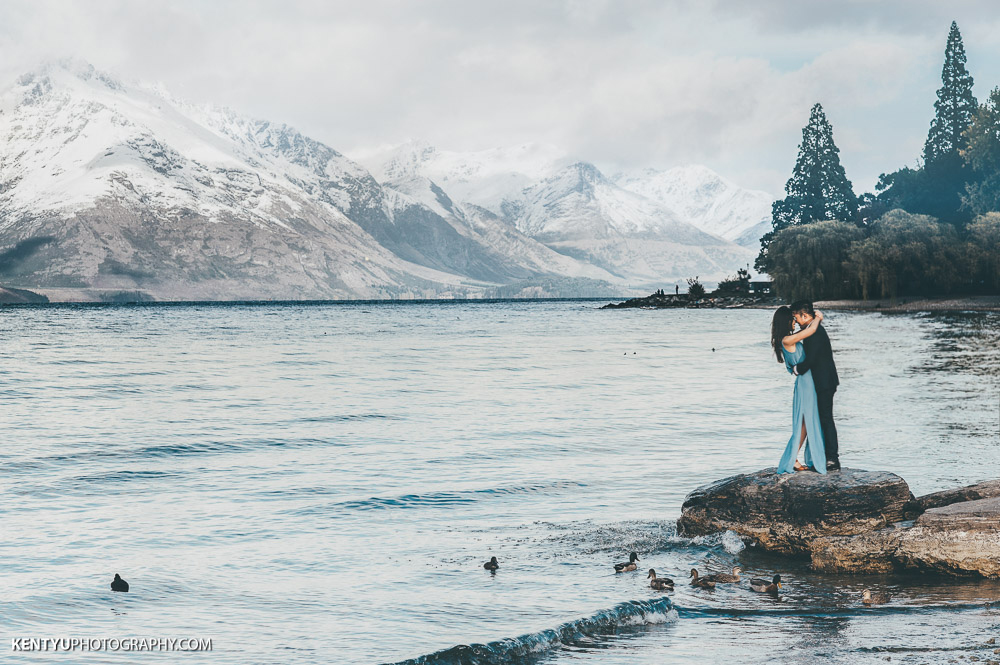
{"x": 109, "y": 189}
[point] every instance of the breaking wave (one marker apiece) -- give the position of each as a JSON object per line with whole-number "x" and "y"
{"x": 514, "y": 649}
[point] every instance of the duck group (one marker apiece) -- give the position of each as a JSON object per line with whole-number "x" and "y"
{"x": 759, "y": 584}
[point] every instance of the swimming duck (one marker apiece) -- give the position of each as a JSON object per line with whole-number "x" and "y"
{"x": 701, "y": 582}
{"x": 659, "y": 583}
{"x": 118, "y": 584}
{"x": 492, "y": 564}
{"x": 725, "y": 578}
{"x": 762, "y": 585}
{"x": 627, "y": 567}
{"x": 877, "y": 598}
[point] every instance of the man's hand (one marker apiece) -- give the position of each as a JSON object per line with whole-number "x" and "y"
{"x": 795, "y": 370}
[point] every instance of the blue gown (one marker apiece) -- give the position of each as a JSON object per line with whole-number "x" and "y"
{"x": 804, "y": 408}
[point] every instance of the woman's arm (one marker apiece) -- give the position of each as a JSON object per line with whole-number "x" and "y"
{"x": 790, "y": 340}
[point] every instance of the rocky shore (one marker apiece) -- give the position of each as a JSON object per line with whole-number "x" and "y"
{"x": 662, "y": 300}
{"x": 854, "y": 521}
{"x": 917, "y": 304}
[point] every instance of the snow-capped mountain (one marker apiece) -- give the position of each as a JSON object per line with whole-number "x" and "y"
{"x": 703, "y": 198}
{"x": 580, "y": 212}
{"x": 418, "y": 202}
{"x": 107, "y": 187}
{"x": 572, "y": 208}
{"x": 485, "y": 178}
{"x": 122, "y": 187}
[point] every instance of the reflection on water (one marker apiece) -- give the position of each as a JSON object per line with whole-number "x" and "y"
{"x": 323, "y": 483}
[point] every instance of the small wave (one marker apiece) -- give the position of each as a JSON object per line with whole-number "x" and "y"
{"x": 442, "y": 499}
{"x": 347, "y": 417}
{"x": 511, "y": 650}
{"x": 122, "y": 476}
{"x": 178, "y": 450}
{"x": 637, "y": 536}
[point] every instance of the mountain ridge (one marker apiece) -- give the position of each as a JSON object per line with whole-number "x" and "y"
{"x": 132, "y": 189}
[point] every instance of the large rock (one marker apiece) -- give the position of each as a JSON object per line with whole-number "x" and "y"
{"x": 958, "y": 539}
{"x": 786, "y": 513}
{"x": 871, "y": 552}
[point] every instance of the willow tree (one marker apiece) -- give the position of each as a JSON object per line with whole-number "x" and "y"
{"x": 808, "y": 260}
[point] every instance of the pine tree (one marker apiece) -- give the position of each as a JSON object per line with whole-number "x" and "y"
{"x": 955, "y": 104}
{"x": 818, "y": 189}
{"x": 982, "y": 156}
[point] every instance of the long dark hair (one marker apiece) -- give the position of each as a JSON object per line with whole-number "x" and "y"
{"x": 781, "y": 325}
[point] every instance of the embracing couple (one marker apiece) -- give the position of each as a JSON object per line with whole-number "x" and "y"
{"x": 808, "y": 356}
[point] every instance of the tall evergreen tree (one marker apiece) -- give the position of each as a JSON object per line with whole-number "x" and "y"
{"x": 937, "y": 188}
{"x": 955, "y": 104}
{"x": 818, "y": 189}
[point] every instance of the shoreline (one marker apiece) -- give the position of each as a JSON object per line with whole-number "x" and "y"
{"x": 916, "y": 304}
{"x": 11, "y": 296}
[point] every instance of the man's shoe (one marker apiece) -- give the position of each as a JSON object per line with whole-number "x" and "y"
{"x": 833, "y": 466}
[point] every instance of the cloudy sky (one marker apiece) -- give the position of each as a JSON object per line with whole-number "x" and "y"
{"x": 625, "y": 84}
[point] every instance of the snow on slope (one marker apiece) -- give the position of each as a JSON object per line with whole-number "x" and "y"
{"x": 580, "y": 212}
{"x": 570, "y": 207}
{"x": 132, "y": 189}
{"x": 705, "y": 199}
{"x": 485, "y": 178}
{"x": 489, "y": 229}
{"x": 580, "y": 201}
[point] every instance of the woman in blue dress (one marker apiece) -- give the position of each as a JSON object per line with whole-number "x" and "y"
{"x": 787, "y": 344}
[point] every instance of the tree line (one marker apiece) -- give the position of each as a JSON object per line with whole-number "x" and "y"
{"x": 929, "y": 230}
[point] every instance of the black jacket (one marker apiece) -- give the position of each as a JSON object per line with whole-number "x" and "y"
{"x": 819, "y": 359}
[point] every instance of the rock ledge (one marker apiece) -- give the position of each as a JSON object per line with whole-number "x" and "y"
{"x": 853, "y": 521}
{"x": 785, "y": 513}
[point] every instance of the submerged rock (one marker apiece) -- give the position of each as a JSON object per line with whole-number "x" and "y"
{"x": 786, "y": 513}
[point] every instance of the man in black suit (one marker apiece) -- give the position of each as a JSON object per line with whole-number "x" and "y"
{"x": 819, "y": 360}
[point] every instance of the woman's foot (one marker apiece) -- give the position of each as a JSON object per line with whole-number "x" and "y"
{"x": 799, "y": 467}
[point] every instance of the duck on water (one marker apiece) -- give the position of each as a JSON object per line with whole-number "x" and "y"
{"x": 627, "y": 567}
{"x": 118, "y": 584}
{"x": 659, "y": 583}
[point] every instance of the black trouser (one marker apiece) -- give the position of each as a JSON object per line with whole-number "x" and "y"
{"x": 824, "y": 399}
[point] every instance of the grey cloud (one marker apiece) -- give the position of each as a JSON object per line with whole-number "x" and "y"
{"x": 626, "y": 84}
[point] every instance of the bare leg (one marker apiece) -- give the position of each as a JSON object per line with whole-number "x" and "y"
{"x": 802, "y": 440}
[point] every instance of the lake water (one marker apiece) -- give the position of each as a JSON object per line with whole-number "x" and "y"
{"x": 322, "y": 483}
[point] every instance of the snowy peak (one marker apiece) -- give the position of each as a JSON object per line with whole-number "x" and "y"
{"x": 485, "y": 178}
{"x": 404, "y": 161}
{"x": 74, "y": 135}
{"x": 580, "y": 201}
{"x": 582, "y": 177}
{"x": 703, "y": 198}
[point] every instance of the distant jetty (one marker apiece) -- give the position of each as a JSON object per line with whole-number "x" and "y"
{"x": 661, "y": 300}
{"x": 20, "y": 296}
{"x": 854, "y": 521}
